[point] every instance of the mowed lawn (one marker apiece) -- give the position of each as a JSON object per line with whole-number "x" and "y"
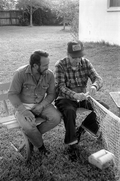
{"x": 16, "y": 46}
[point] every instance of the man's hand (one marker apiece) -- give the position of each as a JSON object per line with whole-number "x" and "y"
{"x": 92, "y": 91}
{"x": 29, "y": 116}
{"x": 80, "y": 96}
{"x": 37, "y": 109}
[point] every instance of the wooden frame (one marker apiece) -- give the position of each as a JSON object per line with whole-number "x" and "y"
{"x": 112, "y": 8}
{"x": 10, "y": 122}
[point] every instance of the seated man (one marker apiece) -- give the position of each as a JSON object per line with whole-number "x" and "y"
{"x": 31, "y": 92}
{"x": 71, "y": 76}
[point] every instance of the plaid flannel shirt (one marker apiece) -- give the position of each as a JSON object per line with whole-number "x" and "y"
{"x": 69, "y": 81}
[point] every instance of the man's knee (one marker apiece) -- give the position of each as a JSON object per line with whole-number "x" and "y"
{"x": 26, "y": 126}
{"x": 28, "y": 130}
{"x": 57, "y": 117}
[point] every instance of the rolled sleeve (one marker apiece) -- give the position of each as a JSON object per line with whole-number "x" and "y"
{"x": 94, "y": 76}
{"x": 14, "y": 91}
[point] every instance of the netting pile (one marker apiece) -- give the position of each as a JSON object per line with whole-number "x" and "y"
{"x": 110, "y": 127}
{"x": 82, "y": 113}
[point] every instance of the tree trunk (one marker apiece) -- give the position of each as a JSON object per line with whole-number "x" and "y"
{"x": 64, "y": 22}
{"x": 31, "y": 24}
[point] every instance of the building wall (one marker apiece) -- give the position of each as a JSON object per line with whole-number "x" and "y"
{"x": 98, "y": 24}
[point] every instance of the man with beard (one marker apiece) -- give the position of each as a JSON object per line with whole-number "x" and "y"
{"x": 31, "y": 92}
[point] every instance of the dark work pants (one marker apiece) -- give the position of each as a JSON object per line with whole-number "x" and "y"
{"x": 68, "y": 109}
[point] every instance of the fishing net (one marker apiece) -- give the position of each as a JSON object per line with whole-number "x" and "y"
{"x": 110, "y": 128}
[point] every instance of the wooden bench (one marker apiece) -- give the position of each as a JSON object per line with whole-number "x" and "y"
{"x": 10, "y": 122}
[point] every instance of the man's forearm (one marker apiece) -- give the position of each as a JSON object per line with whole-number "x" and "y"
{"x": 66, "y": 92}
{"x": 48, "y": 99}
{"x": 98, "y": 83}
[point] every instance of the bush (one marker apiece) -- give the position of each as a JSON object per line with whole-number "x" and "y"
{"x": 45, "y": 17}
{"x": 24, "y": 19}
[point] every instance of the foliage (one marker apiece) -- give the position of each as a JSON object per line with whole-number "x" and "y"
{"x": 31, "y": 6}
{"x": 45, "y": 17}
{"x": 7, "y": 4}
{"x": 2, "y": 4}
{"x": 40, "y": 17}
{"x": 24, "y": 20}
{"x": 26, "y": 4}
{"x": 66, "y": 9}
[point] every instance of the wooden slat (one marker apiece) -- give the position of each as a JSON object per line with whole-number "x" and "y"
{"x": 6, "y": 107}
{"x": 4, "y": 96}
{"x": 7, "y": 119}
{"x": 11, "y": 125}
{"x": 11, "y": 122}
{"x": 116, "y": 98}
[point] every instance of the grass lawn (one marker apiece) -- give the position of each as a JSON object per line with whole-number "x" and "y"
{"x": 16, "y": 45}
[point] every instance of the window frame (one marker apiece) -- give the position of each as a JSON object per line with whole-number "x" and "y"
{"x": 112, "y": 9}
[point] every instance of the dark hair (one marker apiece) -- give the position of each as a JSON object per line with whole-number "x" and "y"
{"x": 35, "y": 58}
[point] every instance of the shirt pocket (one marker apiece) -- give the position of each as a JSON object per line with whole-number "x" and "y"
{"x": 44, "y": 89}
{"x": 70, "y": 83}
{"x": 28, "y": 89}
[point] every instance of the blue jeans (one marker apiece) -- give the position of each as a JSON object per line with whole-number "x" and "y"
{"x": 49, "y": 118}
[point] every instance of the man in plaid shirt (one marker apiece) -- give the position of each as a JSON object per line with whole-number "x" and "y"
{"x": 71, "y": 76}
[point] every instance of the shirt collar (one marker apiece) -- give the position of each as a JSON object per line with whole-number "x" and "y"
{"x": 69, "y": 64}
{"x": 29, "y": 71}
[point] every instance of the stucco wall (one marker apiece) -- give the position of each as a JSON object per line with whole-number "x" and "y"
{"x": 96, "y": 24}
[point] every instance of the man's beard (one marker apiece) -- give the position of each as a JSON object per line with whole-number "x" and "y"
{"x": 41, "y": 73}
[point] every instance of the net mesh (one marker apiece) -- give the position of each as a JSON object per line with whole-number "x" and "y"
{"x": 110, "y": 128}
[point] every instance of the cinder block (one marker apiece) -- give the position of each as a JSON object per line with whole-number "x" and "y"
{"x": 101, "y": 159}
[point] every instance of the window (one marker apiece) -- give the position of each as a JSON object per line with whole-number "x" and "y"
{"x": 113, "y": 5}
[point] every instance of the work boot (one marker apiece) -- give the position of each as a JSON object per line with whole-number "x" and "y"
{"x": 79, "y": 132}
{"x": 72, "y": 152}
{"x": 31, "y": 147}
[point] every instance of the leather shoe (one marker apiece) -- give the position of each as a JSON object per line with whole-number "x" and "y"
{"x": 31, "y": 147}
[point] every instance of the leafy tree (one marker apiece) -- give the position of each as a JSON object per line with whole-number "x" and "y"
{"x": 66, "y": 9}
{"x": 45, "y": 17}
{"x": 7, "y": 4}
{"x": 31, "y": 6}
{"x": 1, "y": 4}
